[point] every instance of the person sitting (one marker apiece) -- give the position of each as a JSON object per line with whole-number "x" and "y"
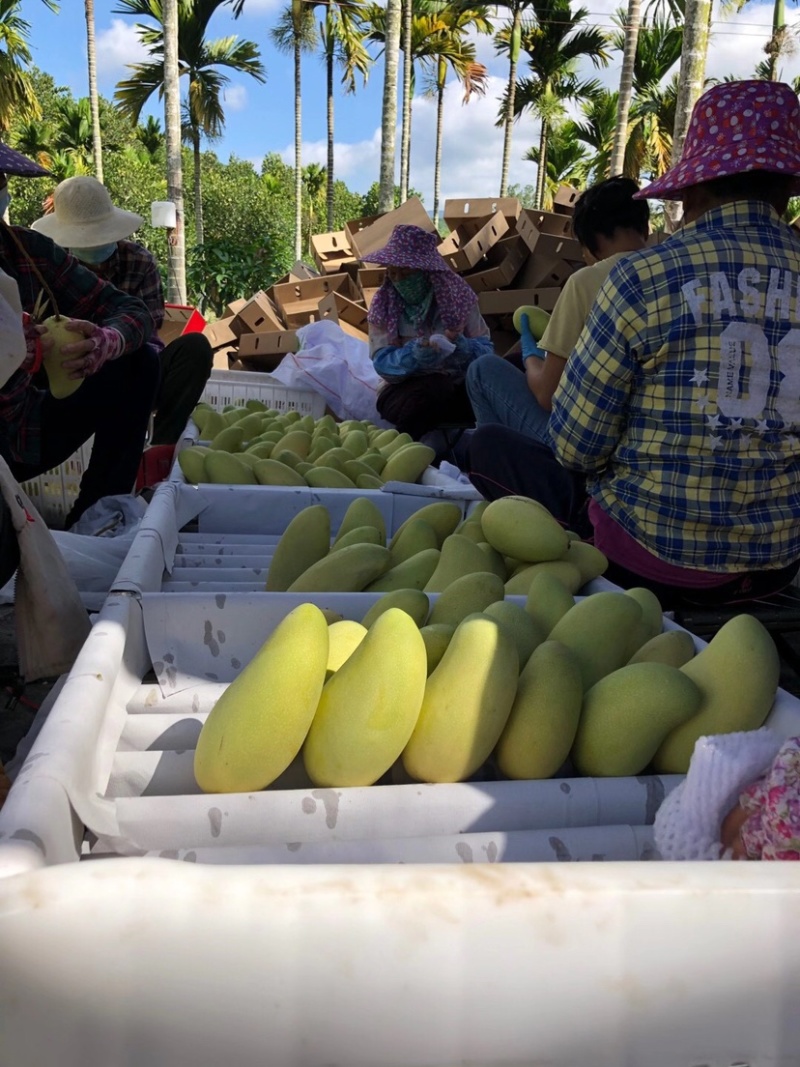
{"x": 118, "y": 371}
{"x": 85, "y": 221}
{"x": 424, "y": 331}
{"x": 609, "y": 224}
{"x": 680, "y": 402}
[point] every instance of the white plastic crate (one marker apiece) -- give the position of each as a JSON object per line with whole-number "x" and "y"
{"x": 258, "y": 513}
{"x": 54, "y": 492}
{"x": 226, "y": 387}
{"x": 471, "y": 960}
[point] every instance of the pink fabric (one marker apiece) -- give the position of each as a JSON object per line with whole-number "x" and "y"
{"x": 33, "y": 345}
{"x": 416, "y": 249}
{"x": 621, "y": 548}
{"x": 772, "y": 829}
{"x": 735, "y": 127}
{"x": 108, "y": 344}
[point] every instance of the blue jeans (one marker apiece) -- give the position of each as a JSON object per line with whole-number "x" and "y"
{"x": 499, "y": 394}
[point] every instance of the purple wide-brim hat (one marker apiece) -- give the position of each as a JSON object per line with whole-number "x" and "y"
{"x": 735, "y": 127}
{"x": 20, "y": 166}
{"x": 412, "y": 247}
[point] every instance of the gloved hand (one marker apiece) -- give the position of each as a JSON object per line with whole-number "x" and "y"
{"x": 441, "y": 343}
{"x": 94, "y": 346}
{"x": 529, "y": 345}
{"x": 34, "y": 344}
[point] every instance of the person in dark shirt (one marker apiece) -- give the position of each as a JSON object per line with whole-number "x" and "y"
{"x": 118, "y": 370}
{"x": 85, "y": 221}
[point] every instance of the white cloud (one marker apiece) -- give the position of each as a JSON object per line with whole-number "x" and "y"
{"x": 235, "y": 97}
{"x": 116, "y": 48}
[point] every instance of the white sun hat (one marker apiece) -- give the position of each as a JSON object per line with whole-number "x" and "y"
{"x": 84, "y": 217}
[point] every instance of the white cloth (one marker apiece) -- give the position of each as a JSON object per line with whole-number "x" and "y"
{"x": 12, "y": 339}
{"x": 688, "y": 823}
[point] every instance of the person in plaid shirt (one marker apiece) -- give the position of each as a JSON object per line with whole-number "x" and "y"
{"x": 681, "y": 401}
{"x": 85, "y": 221}
{"x": 118, "y": 371}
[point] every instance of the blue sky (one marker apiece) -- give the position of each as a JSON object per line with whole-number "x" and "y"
{"x": 260, "y": 118}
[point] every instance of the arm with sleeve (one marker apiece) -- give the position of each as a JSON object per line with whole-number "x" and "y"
{"x": 589, "y": 405}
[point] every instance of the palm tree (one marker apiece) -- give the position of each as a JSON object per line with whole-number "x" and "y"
{"x": 342, "y": 39}
{"x": 568, "y": 161}
{"x": 296, "y": 33}
{"x": 691, "y": 79}
{"x": 94, "y": 99}
{"x": 151, "y": 135}
{"x": 596, "y": 133}
{"x": 34, "y": 139}
{"x": 197, "y": 58}
{"x": 314, "y": 182}
{"x": 73, "y": 130}
{"x": 17, "y": 97}
{"x": 391, "y": 55}
{"x": 450, "y": 50}
{"x": 555, "y": 45}
{"x": 632, "y": 23}
{"x": 171, "y": 74}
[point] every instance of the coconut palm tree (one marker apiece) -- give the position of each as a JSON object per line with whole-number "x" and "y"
{"x": 555, "y": 45}
{"x": 343, "y": 41}
{"x": 568, "y": 161}
{"x": 94, "y": 99}
{"x": 391, "y": 57}
{"x": 17, "y": 97}
{"x": 198, "y": 59}
{"x": 595, "y": 131}
{"x": 296, "y": 33}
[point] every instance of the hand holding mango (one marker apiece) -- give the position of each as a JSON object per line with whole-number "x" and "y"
{"x": 74, "y": 349}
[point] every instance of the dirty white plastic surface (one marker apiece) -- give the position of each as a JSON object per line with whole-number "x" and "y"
{"x": 136, "y": 961}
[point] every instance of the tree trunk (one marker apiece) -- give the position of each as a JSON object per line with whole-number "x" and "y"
{"x": 94, "y": 100}
{"x": 513, "y": 53}
{"x": 298, "y": 156}
{"x": 437, "y": 164}
{"x": 617, "y": 164}
{"x": 329, "y": 42}
{"x": 389, "y": 108}
{"x": 541, "y": 174}
{"x": 198, "y": 188}
{"x": 405, "y": 132}
{"x": 690, "y": 85}
{"x": 176, "y": 239}
{"x": 776, "y": 43}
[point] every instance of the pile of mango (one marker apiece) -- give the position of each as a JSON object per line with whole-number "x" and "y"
{"x": 595, "y": 685}
{"x": 256, "y": 445}
{"x": 513, "y": 539}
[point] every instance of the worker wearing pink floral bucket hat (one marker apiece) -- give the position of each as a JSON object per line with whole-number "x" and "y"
{"x": 680, "y": 402}
{"x": 424, "y": 331}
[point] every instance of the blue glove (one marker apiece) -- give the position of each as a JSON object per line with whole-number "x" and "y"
{"x": 529, "y": 345}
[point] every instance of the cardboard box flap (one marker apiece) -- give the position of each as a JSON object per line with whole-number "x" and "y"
{"x": 298, "y": 298}
{"x": 457, "y": 212}
{"x": 178, "y": 320}
{"x": 259, "y": 315}
{"x": 564, "y": 200}
{"x": 462, "y": 250}
{"x": 499, "y": 266}
{"x": 350, "y": 316}
{"x": 372, "y": 232}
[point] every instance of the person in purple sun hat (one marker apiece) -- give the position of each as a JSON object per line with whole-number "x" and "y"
{"x": 424, "y": 331}
{"x": 680, "y": 402}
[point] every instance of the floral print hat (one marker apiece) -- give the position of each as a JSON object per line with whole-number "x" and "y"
{"x": 735, "y": 127}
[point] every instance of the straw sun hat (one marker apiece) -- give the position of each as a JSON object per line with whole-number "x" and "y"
{"x": 84, "y": 217}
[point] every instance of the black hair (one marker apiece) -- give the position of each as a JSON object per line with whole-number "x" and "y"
{"x": 766, "y": 185}
{"x": 606, "y": 207}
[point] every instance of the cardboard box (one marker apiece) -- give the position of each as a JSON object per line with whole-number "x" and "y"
{"x": 299, "y": 301}
{"x": 220, "y": 334}
{"x": 350, "y": 316}
{"x": 368, "y": 234}
{"x": 548, "y": 235}
{"x": 264, "y": 351}
{"x": 303, "y": 271}
{"x": 235, "y": 307}
{"x": 331, "y": 251}
{"x": 463, "y": 249}
{"x": 178, "y": 320}
{"x": 370, "y": 279}
{"x": 458, "y": 212}
{"x": 544, "y": 272}
{"x": 564, "y": 200}
{"x": 259, "y": 315}
{"x": 499, "y": 266}
{"x": 223, "y": 357}
{"x": 503, "y": 303}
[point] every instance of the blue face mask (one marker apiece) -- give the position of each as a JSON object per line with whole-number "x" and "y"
{"x": 5, "y": 200}
{"x": 94, "y": 256}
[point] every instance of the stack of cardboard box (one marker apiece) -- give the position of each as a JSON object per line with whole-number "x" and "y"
{"x": 508, "y": 254}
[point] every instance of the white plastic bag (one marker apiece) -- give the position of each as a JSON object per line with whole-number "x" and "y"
{"x": 337, "y": 367}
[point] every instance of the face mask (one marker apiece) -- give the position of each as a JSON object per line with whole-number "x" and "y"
{"x": 413, "y": 288}
{"x": 94, "y": 256}
{"x": 5, "y": 200}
